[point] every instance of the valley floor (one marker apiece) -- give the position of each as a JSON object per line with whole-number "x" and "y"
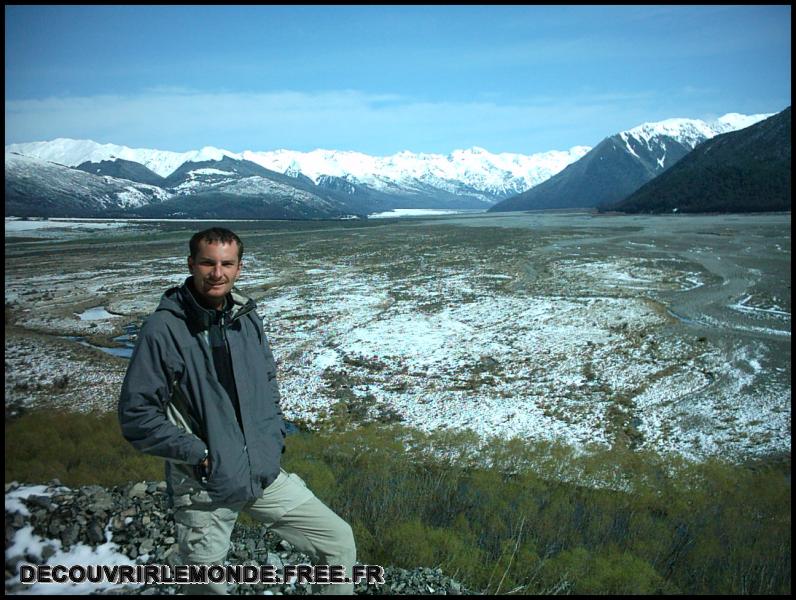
{"x": 669, "y": 333}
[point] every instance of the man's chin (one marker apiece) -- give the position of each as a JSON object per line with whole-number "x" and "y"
{"x": 215, "y": 294}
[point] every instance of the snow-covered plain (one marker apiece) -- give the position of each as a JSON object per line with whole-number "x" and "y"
{"x": 454, "y": 354}
{"x": 558, "y": 328}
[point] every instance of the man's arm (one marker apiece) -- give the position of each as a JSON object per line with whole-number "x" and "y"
{"x": 146, "y": 392}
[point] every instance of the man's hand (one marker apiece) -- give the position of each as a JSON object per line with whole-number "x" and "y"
{"x": 202, "y": 470}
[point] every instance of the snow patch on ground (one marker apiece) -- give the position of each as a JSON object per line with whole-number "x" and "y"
{"x": 414, "y": 212}
{"x": 97, "y": 313}
{"x": 14, "y": 226}
{"x": 27, "y": 544}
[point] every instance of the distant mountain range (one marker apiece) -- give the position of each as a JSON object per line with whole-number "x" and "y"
{"x": 622, "y": 163}
{"x": 38, "y": 188}
{"x": 278, "y": 184}
{"x": 742, "y": 171}
{"x": 81, "y": 178}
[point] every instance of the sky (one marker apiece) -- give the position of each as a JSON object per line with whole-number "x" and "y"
{"x": 384, "y": 79}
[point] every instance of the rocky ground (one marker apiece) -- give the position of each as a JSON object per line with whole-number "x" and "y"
{"x": 133, "y": 524}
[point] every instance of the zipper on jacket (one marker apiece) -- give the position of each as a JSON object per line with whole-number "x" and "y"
{"x": 227, "y": 368}
{"x": 256, "y": 485}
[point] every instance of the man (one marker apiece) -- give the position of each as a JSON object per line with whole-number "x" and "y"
{"x": 201, "y": 392}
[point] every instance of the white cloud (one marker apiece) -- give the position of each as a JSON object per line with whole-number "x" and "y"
{"x": 180, "y": 120}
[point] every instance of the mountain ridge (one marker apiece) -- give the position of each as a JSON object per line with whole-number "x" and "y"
{"x": 747, "y": 170}
{"x": 495, "y": 175}
{"x": 214, "y": 182}
{"x": 622, "y": 163}
{"x": 41, "y": 189}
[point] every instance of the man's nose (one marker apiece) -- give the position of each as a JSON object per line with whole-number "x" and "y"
{"x": 217, "y": 272}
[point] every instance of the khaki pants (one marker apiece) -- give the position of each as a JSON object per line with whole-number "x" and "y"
{"x": 286, "y": 507}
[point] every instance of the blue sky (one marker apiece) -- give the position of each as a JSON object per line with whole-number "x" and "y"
{"x": 382, "y": 79}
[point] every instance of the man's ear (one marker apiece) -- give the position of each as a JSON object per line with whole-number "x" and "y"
{"x": 190, "y": 265}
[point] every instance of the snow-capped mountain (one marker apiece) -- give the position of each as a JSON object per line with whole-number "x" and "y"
{"x": 494, "y": 175}
{"x": 622, "y": 163}
{"x": 35, "y": 187}
{"x": 210, "y": 189}
{"x": 72, "y": 153}
{"x": 473, "y": 173}
{"x": 690, "y": 132}
{"x": 740, "y": 171}
{"x": 214, "y": 182}
{"x": 123, "y": 169}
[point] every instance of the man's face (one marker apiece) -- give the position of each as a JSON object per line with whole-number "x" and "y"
{"x": 215, "y": 269}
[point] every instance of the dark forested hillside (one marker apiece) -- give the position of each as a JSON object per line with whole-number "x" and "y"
{"x": 741, "y": 171}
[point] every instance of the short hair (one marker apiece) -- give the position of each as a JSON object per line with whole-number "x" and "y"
{"x": 215, "y": 235}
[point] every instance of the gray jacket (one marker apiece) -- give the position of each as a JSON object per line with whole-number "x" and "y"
{"x": 173, "y": 406}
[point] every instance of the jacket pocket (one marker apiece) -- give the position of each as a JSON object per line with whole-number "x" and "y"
{"x": 230, "y": 475}
{"x": 192, "y": 532}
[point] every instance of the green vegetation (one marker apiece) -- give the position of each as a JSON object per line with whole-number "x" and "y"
{"x": 75, "y": 448}
{"x": 541, "y": 519}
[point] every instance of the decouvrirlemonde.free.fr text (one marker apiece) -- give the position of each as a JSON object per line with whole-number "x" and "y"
{"x": 194, "y": 574}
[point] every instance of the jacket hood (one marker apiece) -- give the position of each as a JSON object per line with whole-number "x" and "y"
{"x": 180, "y": 301}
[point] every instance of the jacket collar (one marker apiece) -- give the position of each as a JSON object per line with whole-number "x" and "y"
{"x": 236, "y": 305}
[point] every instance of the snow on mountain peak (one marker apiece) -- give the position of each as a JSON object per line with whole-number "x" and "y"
{"x": 686, "y": 131}
{"x": 212, "y": 153}
{"x": 58, "y": 180}
{"x": 691, "y": 132}
{"x": 72, "y": 153}
{"x": 736, "y": 121}
{"x": 474, "y": 167}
